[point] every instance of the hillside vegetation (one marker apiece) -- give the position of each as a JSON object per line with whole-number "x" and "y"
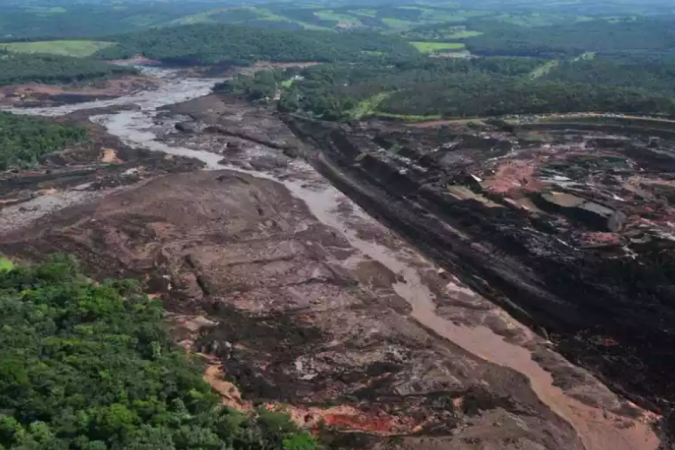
{"x": 212, "y": 44}
{"x": 17, "y": 68}
{"x": 80, "y": 48}
{"x": 92, "y": 366}
{"x": 463, "y": 88}
{"x": 640, "y": 37}
{"x": 23, "y": 139}
{"x": 64, "y": 19}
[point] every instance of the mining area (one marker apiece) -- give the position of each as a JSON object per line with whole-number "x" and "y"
{"x": 501, "y": 287}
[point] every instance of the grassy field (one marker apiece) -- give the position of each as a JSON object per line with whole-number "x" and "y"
{"x": 327, "y": 14}
{"x": 430, "y": 47}
{"x": 67, "y": 48}
{"x": 5, "y": 264}
{"x": 287, "y": 83}
{"x": 365, "y": 12}
{"x": 398, "y": 24}
{"x": 369, "y": 106}
{"x": 544, "y": 69}
{"x": 390, "y": 19}
{"x": 219, "y": 15}
{"x": 464, "y": 34}
{"x": 408, "y": 117}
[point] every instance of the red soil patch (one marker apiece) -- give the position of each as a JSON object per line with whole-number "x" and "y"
{"x": 514, "y": 175}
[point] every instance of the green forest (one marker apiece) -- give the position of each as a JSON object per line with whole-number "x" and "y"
{"x": 635, "y": 37}
{"x": 462, "y": 88}
{"x": 213, "y": 44}
{"x": 65, "y": 19}
{"x": 23, "y": 139}
{"x": 91, "y": 366}
{"x": 59, "y": 19}
{"x": 17, "y": 68}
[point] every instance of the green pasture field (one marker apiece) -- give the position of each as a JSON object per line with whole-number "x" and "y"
{"x": 66, "y": 47}
{"x": 430, "y": 47}
{"x": 5, "y": 264}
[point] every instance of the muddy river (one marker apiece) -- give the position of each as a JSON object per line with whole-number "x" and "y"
{"x": 597, "y": 428}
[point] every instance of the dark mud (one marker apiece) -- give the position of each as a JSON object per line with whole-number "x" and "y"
{"x": 302, "y": 301}
{"x": 32, "y": 95}
{"x": 79, "y": 173}
{"x": 293, "y": 322}
{"x": 594, "y": 275}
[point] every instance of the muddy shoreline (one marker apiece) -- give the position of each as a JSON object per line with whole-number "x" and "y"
{"x": 311, "y": 302}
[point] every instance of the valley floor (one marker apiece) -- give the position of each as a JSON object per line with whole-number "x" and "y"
{"x": 299, "y": 298}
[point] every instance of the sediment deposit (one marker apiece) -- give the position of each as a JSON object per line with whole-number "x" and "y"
{"x": 300, "y": 300}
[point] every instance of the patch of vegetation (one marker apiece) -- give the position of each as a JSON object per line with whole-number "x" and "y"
{"x": 264, "y": 85}
{"x": 396, "y": 24}
{"x": 341, "y": 91}
{"x": 5, "y": 263}
{"x": 257, "y": 16}
{"x": 92, "y": 366}
{"x": 409, "y": 118}
{"x": 463, "y": 34}
{"x": 87, "y": 19}
{"x": 544, "y": 69}
{"x": 494, "y": 86}
{"x": 653, "y": 78}
{"x": 17, "y": 68}
{"x": 443, "y": 32}
{"x": 479, "y": 95}
{"x": 431, "y": 47}
{"x": 537, "y": 19}
{"x": 366, "y": 12}
{"x": 368, "y": 106}
{"x": 635, "y": 38}
{"x": 47, "y": 9}
{"x": 80, "y": 48}
{"x": 338, "y": 17}
{"x": 212, "y": 44}
{"x": 23, "y": 139}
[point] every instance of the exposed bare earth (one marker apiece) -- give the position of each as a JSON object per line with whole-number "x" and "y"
{"x": 303, "y": 318}
{"x": 36, "y": 94}
{"x": 301, "y": 301}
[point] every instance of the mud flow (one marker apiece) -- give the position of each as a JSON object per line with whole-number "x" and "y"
{"x": 297, "y": 297}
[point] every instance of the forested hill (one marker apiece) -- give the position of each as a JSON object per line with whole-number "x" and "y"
{"x": 92, "y": 367}
{"x": 635, "y": 37}
{"x": 212, "y": 44}
{"x": 17, "y": 68}
{"x": 435, "y": 88}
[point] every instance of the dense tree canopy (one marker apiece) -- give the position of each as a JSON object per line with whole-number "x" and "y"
{"x": 211, "y": 44}
{"x": 485, "y": 95}
{"x": 66, "y": 19}
{"x": 464, "y": 88}
{"x": 87, "y": 366}
{"x": 24, "y": 139}
{"x": 17, "y": 68}
{"x": 628, "y": 36}
{"x": 652, "y": 76}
